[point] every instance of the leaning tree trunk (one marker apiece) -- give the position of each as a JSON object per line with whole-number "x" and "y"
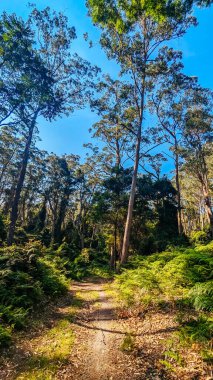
{"x": 19, "y": 186}
{"x": 125, "y": 247}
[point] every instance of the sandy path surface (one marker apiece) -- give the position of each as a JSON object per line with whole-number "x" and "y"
{"x": 99, "y": 335}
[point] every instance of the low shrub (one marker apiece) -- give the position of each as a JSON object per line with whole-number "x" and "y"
{"x": 198, "y": 330}
{"x": 89, "y": 264}
{"x": 54, "y": 283}
{"x": 13, "y": 316}
{"x": 135, "y": 285}
{"x": 128, "y": 343}
{"x": 5, "y": 336}
{"x": 201, "y": 296}
{"x": 199, "y": 237}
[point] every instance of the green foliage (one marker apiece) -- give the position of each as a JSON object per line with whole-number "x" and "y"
{"x": 5, "y": 336}
{"x": 27, "y": 276}
{"x": 197, "y": 330}
{"x": 172, "y": 357}
{"x": 185, "y": 270}
{"x": 206, "y": 248}
{"x": 181, "y": 274}
{"x": 207, "y": 356}
{"x": 135, "y": 285}
{"x": 65, "y": 250}
{"x": 2, "y": 229}
{"x": 89, "y": 264}
{"x": 53, "y": 281}
{"x": 198, "y": 237}
{"x": 128, "y": 343}
{"x": 122, "y": 14}
{"x": 201, "y": 296}
{"x": 14, "y": 316}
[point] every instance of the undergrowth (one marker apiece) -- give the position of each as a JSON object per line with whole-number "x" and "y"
{"x": 32, "y": 275}
{"x": 181, "y": 280}
{"x": 90, "y": 264}
{"x": 182, "y": 276}
{"x": 28, "y": 277}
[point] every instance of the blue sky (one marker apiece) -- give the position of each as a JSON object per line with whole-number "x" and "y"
{"x": 67, "y": 135}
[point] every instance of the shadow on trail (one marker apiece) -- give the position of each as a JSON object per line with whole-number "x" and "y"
{"x": 92, "y": 327}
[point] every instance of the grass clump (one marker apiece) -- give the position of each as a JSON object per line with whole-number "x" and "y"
{"x": 128, "y": 343}
{"x": 88, "y": 296}
{"x": 52, "y": 351}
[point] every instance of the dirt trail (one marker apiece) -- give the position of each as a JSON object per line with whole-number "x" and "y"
{"x": 99, "y": 335}
{"x": 100, "y": 329}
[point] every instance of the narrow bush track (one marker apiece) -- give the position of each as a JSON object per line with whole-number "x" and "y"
{"x": 109, "y": 344}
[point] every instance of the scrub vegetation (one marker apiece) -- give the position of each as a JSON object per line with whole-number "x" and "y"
{"x": 119, "y": 242}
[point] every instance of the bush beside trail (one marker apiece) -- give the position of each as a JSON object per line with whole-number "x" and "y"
{"x": 180, "y": 281}
{"x": 34, "y": 274}
{"x": 28, "y": 276}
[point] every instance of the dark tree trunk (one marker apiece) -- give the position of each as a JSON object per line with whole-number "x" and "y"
{"x": 19, "y": 186}
{"x": 56, "y": 233}
{"x": 118, "y": 153}
{"x": 177, "y": 181}
{"x": 42, "y": 214}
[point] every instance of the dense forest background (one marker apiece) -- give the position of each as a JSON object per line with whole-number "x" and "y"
{"x": 55, "y": 199}
{"x": 60, "y": 216}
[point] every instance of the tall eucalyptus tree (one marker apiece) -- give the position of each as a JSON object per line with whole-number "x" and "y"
{"x": 136, "y": 41}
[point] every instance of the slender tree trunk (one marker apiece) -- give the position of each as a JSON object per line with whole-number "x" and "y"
{"x": 201, "y": 216}
{"x": 57, "y": 228}
{"x": 125, "y": 247}
{"x": 208, "y": 207}
{"x": 203, "y": 177}
{"x": 124, "y": 254}
{"x": 118, "y": 155}
{"x": 177, "y": 181}
{"x": 54, "y": 220}
{"x": 19, "y": 186}
{"x": 42, "y": 216}
{"x": 113, "y": 253}
{"x": 82, "y": 240}
{"x": 112, "y": 258}
{"x": 93, "y": 235}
